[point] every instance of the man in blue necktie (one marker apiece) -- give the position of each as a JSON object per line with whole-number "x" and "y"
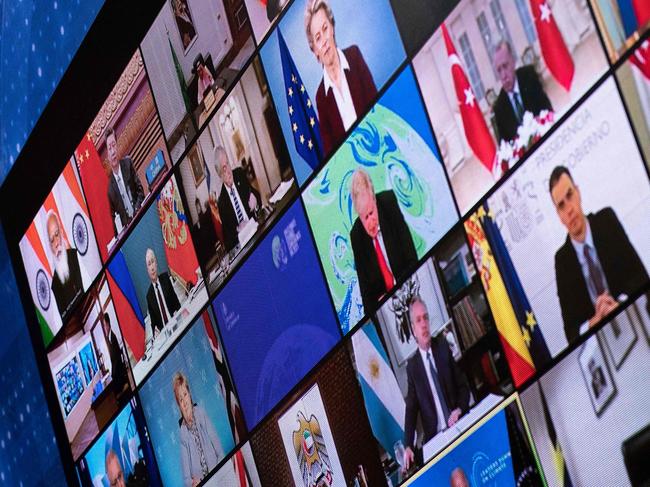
{"x": 437, "y": 388}
{"x": 597, "y": 267}
{"x": 237, "y": 201}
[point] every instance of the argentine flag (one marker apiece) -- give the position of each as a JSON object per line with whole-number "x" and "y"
{"x": 381, "y": 393}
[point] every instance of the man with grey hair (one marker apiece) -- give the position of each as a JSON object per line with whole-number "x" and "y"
{"x": 347, "y": 88}
{"x": 437, "y": 389}
{"x": 521, "y": 92}
{"x": 67, "y": 281}
{"x": 162, "y": 301}
{"x": 381, "y": 241}
{"x": 114, "y": 472}
{"x": 237, "y": 201}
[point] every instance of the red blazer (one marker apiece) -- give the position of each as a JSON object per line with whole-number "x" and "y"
{"x": 362, "y": 89}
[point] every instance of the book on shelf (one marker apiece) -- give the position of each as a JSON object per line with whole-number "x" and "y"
{"x": 469, "y": 324}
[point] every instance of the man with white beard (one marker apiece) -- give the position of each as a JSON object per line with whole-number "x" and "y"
{"x": 67, "y": 283}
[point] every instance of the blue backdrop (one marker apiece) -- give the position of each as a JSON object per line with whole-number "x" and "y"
{"x": 193, "y": 357}
{"x": 275, "y": 316}
{"x": 369, "y": 24}
{"x": 484, "y": 456}
{"x": 147, "y": 234}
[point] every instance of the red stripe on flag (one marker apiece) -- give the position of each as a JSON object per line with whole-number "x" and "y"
{"x": 520, "y": 368}
{"x": 132, "y": 329}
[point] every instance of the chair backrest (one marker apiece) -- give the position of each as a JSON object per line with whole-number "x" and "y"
{"x": 636, "y": 452}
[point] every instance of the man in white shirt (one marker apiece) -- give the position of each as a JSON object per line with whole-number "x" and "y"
{"x": 437, "y": 388}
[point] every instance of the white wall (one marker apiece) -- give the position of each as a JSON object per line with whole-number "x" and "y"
{"x": 591, "y": 445}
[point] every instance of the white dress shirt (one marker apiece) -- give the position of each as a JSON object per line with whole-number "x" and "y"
{"x": 161, "y": 302}
{"x": 441, "y": 416}
{"x": 124, "y": 194}
{"x": 343, "y": 98}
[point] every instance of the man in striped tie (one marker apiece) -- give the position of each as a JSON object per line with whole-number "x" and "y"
{"x": 237, "y": 201}
{"x": 381, "y": 241}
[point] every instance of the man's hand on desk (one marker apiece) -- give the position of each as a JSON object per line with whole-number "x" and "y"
{"x": 454, "y": 416}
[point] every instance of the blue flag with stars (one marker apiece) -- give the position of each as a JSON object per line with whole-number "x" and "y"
{"x": 302, "y": 116}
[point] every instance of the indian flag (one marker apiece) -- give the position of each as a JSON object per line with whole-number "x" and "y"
{"x": 67, "y": 201}
{"x": 381, "y": 393}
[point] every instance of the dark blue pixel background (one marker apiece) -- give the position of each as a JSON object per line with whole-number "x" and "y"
{"x": 37, "y": 41}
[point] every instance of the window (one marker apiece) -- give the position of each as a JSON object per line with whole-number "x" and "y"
{"x": 500, "y": 21}
{"x": 472, "y": 67}
{"x": 526, "y": 21}
{"x": 486, "y": 34}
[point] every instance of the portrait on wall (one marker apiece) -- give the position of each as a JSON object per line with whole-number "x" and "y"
{"x": 184, "y": 22}
{"x": 597, "y": 375}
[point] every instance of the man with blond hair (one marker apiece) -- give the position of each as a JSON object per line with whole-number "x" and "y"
{"x": 381, "y": 241}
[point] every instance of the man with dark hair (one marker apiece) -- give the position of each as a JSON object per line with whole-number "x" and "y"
{"x": 437, "y": 389}
{"x": 118, "y": 369}
{"x": 125, "y": 193}
{"x": 521, "y": 92}
{"x": 597, "y": 267}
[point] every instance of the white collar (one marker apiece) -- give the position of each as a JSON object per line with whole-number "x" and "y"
{"x": 344, "y": 65}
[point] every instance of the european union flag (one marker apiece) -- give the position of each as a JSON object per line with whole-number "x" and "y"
{"x": 529, "y": 328}
{"x": 302, "y": 116}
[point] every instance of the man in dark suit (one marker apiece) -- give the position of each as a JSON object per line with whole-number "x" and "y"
{"x": 162, "y": 301}
{"x": 597, "y": 267}
{"x": 67, "y": 282}
{"x": 347, "y": 88}
{"x": 237, "y": 200}
{"x": 118, "y": 369}
{"x": 521, "y": 91}
{"x": 437, "y": 388}
{"x": 125, "y": 193}
{"x": 381, "y": 241}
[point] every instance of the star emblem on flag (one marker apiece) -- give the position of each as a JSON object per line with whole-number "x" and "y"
{"x": 544, "y": 12}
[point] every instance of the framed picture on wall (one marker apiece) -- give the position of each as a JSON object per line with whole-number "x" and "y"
{"x": 596, "y": 374}
{"x": 197, "y": 164}
{"x": 184, "y": 23}
{"x": 619, "y": 337}
{"x": 639, "y": 313}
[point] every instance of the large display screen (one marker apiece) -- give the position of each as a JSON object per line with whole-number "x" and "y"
{"x": 336, "y": 242}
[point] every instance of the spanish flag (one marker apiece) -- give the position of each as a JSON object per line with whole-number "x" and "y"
{"x": 521, "y": 338}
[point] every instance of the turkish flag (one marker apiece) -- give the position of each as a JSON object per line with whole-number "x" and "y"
{"x": 641, "y": 11}
{"x": 94, "y": 178}
{"x": 476, "y": 130}
{"x": 641, "y": 58}
{"x": 554, "y": 51}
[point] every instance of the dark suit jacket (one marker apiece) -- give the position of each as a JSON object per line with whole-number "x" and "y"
{"x": 399, "y": 247}
{"x": 118, "y": 370}
{"x": 133, "y": 186}
{"x": 362, "y": 90}
{"x": 623, "y": 269}
{"x": 66, "y": 294}
{"x": 419, "y": 398}
{"x": 533, "y": 98}
{"x": 227, "y": 211}
{"x": 170, "y": 298}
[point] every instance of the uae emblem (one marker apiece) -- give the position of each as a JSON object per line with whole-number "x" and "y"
{"x": 311, "y": 452}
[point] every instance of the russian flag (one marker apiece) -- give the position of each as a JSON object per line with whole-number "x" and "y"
{"x": 126, "y": 305}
